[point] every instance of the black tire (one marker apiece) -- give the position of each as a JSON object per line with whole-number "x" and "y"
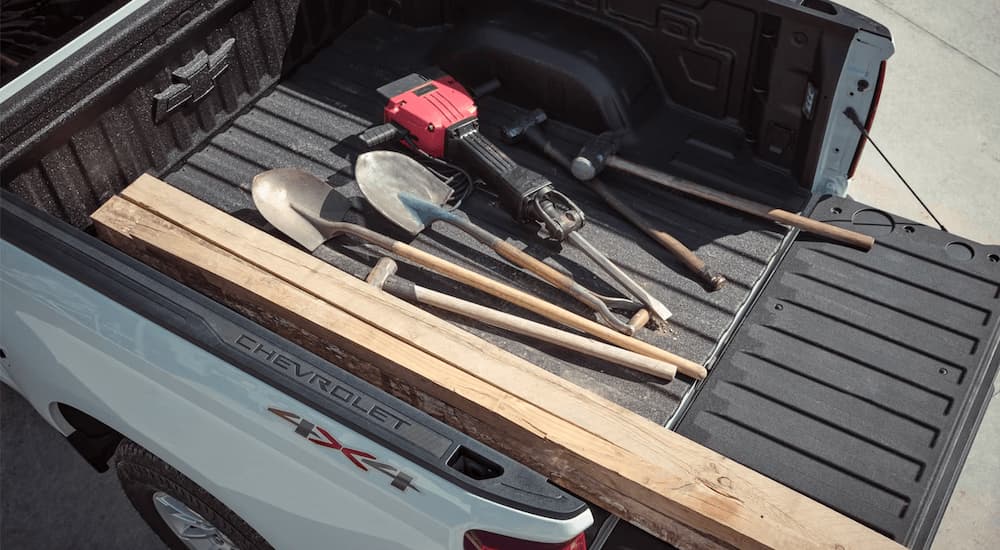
{"x": 142, "y": 474}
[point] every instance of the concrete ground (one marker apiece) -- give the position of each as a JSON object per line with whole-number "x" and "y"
{"x": 939, "y": 121}
{"x": 51, "y": 499}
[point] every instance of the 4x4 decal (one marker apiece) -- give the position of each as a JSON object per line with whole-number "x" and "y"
{"x": 361, "y": 459}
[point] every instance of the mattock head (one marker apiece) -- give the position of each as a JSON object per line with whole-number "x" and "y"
{"x": 384, "y": 268}
{"x": 513, "y": 132}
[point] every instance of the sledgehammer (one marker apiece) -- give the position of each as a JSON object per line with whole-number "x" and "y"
{"x": 601, "y": 152}
{"x": 527, "y": 128}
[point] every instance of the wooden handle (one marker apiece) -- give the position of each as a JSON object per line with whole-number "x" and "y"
{"x": 379, "y": 276}
{"x": 846, "y": 236}
{"x": 541, "y": 307}
{"x": 711, "y": 281}
{"x": 832, "y": 232}
{"x": 639, "y": 319}
{"x": 548, "y": 273}
{"x": 543, "y": 270}
{"x": 513, "y": 323}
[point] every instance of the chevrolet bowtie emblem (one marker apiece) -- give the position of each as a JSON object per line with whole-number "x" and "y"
{"x": 193, "y": 81}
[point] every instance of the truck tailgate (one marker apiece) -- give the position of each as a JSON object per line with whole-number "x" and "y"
{"x": 859, "y": 379}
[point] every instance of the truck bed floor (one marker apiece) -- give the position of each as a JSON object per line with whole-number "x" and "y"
{"x": 306, "y": 121}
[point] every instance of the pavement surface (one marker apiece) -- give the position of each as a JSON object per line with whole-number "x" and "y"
{"x": 939, "y": 122}
{"x": 51, "y": 499}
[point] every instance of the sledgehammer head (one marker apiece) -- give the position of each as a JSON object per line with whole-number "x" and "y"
{"x": 593, "y": 157}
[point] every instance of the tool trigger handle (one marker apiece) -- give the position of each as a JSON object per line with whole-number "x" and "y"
{"x": 556, "y": 213}
{"x": 380, "y": 135}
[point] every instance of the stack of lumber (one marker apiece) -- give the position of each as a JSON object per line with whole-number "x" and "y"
{"x": 674, "y": 488}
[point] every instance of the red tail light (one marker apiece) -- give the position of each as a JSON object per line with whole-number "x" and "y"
{"x": 482, "y": 540}
{"x": 868, "y": 123}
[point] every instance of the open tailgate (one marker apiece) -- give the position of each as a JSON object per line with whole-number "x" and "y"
{"x": 860, "y": 379}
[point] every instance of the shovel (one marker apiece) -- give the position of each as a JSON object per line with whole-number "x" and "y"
{"x": 410, "y": 196}
{"x": 310, "y": 212}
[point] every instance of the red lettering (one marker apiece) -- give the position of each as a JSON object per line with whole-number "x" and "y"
{"x": 291, "y": 417}
{"x": 323, "y": 438}
{"x": 328, "y": 441}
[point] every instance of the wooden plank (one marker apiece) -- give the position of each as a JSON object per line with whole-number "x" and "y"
{"x": 478, "y": 408}
{"x": 647, "y": 474}
{"x": 397, "y": 317}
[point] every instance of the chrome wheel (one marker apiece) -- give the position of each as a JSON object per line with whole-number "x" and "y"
{"x": 193, "y": 530}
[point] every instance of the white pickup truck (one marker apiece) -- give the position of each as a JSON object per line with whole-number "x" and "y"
{"x": 855, "y": 378}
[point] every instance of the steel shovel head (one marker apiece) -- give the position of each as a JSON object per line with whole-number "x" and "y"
{"x": 297, "y": 203}
{"x": 386, "y": 177}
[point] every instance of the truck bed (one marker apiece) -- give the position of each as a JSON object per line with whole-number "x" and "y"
{"x": 307, "y": 121}
{"x": 829, "y": 407}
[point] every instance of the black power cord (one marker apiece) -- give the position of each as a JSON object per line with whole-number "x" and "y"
{"x": 852, "y": 115}
{"x": 453, "y": 175}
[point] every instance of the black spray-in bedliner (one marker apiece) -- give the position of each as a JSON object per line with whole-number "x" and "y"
{"x": 305, "y": 121}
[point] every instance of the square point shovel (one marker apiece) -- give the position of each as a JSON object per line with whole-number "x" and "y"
{"x": 410, "y": 196}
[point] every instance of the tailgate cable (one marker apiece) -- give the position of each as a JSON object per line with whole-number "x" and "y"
{"x": 852, "y": 115}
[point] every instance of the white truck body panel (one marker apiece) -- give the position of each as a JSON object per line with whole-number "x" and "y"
{"x": 66, "y": 343}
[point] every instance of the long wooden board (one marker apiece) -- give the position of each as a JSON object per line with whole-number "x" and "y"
{"x": 669, "y": 485}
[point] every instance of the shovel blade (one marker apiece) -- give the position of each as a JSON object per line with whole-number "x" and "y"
{"x": 386, "y": 177}
{"x": 297, "y": 203}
